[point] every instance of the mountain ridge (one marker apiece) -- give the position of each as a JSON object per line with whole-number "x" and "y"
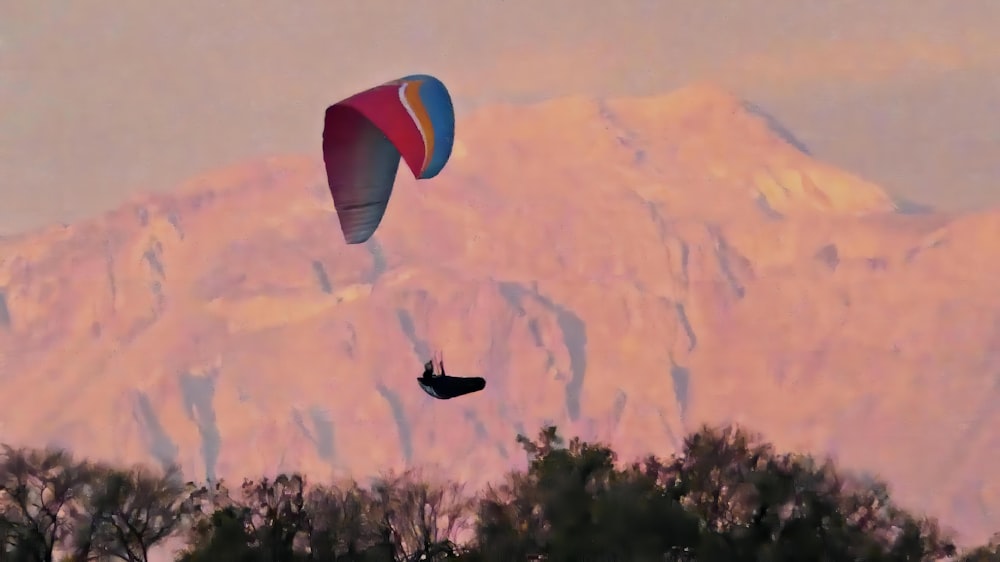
{"x": 607, "y": 265}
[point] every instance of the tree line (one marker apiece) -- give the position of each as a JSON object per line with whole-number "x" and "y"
{"x": 725, "y": 496}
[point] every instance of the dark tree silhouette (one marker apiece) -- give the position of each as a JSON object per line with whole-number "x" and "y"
{"x": 422, "y": 519}
{"x": 573, "y": 504}
{"x": 989, "y": 552}
{"x": 224, "y": 536}
{"x": 130, "y": 511}
{"x": 342, "y": 524}
{"x": 762, "y": 505}
{"x": 726, "y": 495}
{"x": 40, "y": 491}
{"x": 264, "y": 519}
{"x": 277, "y": 512}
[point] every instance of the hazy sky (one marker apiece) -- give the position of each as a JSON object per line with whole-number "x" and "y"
{"x": 104, "y": 98}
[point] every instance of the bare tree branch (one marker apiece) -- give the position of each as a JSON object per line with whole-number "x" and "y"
{"x": 135, "y": 509}
{"x": 40, "y": 491}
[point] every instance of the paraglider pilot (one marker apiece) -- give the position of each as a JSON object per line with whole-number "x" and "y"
{"x": 429, "y": 369}
{"x": 443, "y": 387}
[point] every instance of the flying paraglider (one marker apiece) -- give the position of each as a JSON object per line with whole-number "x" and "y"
{"x": 445, "y": 387}
{"x": 364, "y": 137}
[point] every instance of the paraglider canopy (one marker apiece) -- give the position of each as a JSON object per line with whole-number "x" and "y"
{"x": 366, "y": 135}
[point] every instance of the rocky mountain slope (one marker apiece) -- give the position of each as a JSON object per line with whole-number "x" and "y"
{"x": 627, "y": 269}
